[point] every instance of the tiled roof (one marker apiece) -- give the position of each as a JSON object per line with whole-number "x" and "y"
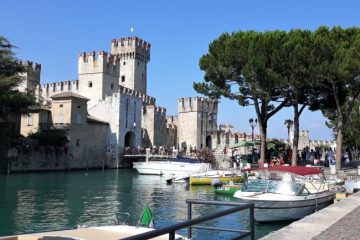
{"x": 68, "y": 95}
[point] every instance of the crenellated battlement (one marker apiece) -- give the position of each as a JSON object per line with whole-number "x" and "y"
{"x": 131, "y": 47}
{"x": 147, "y": 100}
{"x": 98, "y": 62}
{"x": 31, "y": 66}
{"x": 197, "y": 104}
{"x": 159, "y": 112}
{"x": 49, "y": 89}
{"x": 304, "y": 133}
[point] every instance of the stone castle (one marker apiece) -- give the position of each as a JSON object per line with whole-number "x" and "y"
{"x": 107, "y": 108}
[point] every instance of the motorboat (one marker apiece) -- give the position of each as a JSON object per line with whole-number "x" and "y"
{"x": 214, "y": 177}
{"x": 282, "y": 193}
{"x": 227, "y": 189}
{"x": 177, "y": 178}
{"x": 89, "y": 233}
{"x": 176, "y": 166}
{"x": 118, "y": 230}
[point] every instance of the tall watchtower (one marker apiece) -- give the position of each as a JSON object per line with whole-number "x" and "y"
{"x": 197, "y": 122}
{"x": 98, "y": 75}
{"x": 134, "y": 54}
{"x": 31, "y": 77}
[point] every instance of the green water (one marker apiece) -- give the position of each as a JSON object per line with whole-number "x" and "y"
{"x": 36, "y": 202}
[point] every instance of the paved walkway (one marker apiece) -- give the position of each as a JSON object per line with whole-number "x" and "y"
{"x": 338, "y": 221}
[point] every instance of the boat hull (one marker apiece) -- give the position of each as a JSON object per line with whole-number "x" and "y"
{"x": 91, "y": 233}
{"x": 286, "y": 209}
{"x": 208, "y": 180}
{"x": 169, "y": 167}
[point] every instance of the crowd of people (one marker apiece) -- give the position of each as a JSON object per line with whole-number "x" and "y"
{"x": 275, "y": 156}
{"x": 154, "y": 150}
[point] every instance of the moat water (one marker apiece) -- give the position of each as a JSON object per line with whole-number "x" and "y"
{"x": 35, "y": 202}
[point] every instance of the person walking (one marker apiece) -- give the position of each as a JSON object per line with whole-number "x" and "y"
{"x": 331, "y": 157}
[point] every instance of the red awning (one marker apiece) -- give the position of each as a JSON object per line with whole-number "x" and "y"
{"x": 299, "y": 170}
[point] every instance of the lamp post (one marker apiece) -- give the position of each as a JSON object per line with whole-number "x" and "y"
{"x": 253, "y": 124}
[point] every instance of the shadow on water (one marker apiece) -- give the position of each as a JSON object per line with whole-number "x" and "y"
{"x": 36, "y": 202}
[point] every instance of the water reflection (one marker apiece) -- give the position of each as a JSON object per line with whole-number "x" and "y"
{"x": 52, "y": 201}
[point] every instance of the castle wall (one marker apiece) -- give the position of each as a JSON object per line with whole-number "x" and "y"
{"x": 171, "y": 131}
{"x": 46, "y": 91}
{"x": 154, "y": 121}
{"x": 123, "y": 113}
{"x": 69, "y": 111}
{"x": 35, "y": 121}
{"x": 29, "y": 123}
{"x": 82, "y": 151}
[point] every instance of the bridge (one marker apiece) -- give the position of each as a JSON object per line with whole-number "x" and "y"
{"x": 148, "y": 155}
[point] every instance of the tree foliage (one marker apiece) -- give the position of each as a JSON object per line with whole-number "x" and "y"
{"x": 336, "y": 54}
{"x": 247, "y": 67}
{"x": 54, "y": 137}
{"x": 205, "y": 155}
{"x": 11, "y": 100}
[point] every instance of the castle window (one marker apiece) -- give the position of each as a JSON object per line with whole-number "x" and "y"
{"x": 190, "y": 102}
{"x": 127, "y": 112}
{"x": 78, "y": 118}
{"x": 61, "y": 105}
{"x": 122, "y": 78}
{"x": 138, "y": 63}
{"x": 61, "y": 118}
{"x": 112, "y": 86}
{"x": 134, "y": 112}
{"x": 79, "y": 106}
{"x": 183, "y": 102}
{"x": 90, "y": 84}
{"x": 78, "y": 142}
{"x": 30, "y": 119}
{"x": 124, "y": 62}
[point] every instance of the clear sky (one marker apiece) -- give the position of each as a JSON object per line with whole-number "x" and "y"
{"x": 54, "y": 32}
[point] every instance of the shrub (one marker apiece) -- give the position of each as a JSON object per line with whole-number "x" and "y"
{"x": 54, "y": 137}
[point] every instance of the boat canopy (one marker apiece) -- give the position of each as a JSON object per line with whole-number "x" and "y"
{"x": 299, "y": 170}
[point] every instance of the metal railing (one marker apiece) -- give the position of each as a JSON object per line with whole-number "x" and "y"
{"x": 191, "y": 223}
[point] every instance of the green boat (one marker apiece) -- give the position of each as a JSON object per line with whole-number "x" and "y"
{"x": 228, "y": 189}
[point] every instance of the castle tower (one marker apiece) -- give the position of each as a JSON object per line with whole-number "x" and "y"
{"x": 31, "y": 77}
{"x": 154, "y": 121}
{"x": 98, "y": 75}
{"x": 196, "y": 122}
{"x": 134, "y": 54}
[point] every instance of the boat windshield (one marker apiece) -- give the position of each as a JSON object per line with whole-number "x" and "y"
{"x": 271, "y": 186}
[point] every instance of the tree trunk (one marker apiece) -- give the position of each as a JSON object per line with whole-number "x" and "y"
{"x": 339, "y": 141}
{"x": 296, "y": 136}
{"x": 262, "y": 128}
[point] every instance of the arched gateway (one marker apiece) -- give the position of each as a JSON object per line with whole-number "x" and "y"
{"x": 129, "y": 139}
{"x": 208, "y": 142}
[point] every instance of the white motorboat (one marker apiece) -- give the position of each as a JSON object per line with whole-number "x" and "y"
{"x": 111, "y": 232}
{"x": 90, "y": 233}
{"x": 283, "y": 193}
{"x": 178, "y": 167}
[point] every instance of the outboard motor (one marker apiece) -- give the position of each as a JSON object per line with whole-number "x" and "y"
{"x": 216, "y": 183}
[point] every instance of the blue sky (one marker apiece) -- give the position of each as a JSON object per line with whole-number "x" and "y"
{"x": 54, "y": 32}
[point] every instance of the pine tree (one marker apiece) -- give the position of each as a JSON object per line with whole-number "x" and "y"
{"x": 11, "y": 100}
